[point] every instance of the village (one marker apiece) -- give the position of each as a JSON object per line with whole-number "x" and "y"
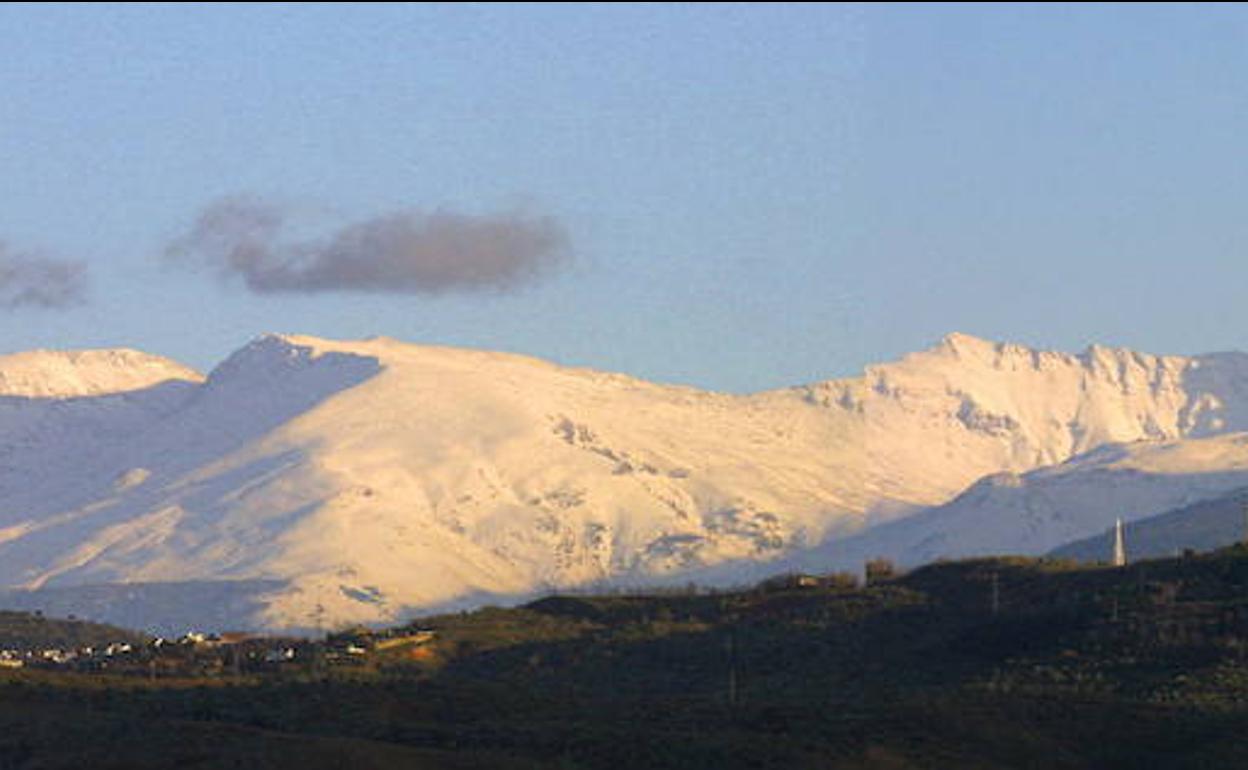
{"x": 197, "y": 654}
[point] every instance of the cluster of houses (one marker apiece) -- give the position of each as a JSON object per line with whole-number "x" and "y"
{"x": 191, "y": 654}
{"x": 199, "y": 654}
{"x": 60, "y": 657}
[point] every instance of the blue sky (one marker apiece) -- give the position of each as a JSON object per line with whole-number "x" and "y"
{"x": 753, "y": 196}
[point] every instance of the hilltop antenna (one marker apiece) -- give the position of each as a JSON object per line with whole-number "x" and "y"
{"x": 1120, "y": 548}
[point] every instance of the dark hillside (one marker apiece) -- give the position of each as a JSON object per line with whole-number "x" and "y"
{"x": 988, "y": 663}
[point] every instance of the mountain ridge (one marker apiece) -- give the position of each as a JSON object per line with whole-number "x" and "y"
{"x": 86, "y": 372}
{"x": 372, "y": 478}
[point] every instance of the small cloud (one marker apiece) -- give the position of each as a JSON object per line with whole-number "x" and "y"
{"x": 405, "y": 252}
{"x": 28, "y": 280}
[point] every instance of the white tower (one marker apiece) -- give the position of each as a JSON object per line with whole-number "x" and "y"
{"x": 1120, "y": 548}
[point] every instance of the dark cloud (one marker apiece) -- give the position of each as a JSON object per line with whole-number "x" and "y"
{"x": 403, "y": 252}
{"x": 27, "y": 280}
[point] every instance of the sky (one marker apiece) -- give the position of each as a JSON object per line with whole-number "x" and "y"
{"x": 734, "y": 197}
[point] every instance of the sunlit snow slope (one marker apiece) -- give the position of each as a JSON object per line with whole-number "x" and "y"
{"x": 308, "y": 483}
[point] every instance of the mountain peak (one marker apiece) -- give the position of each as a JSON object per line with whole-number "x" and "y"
{"x": 374, "y": 477}
{"x": 279, "y": 360}
{"x": 94, "y": 372}
{"x": 956, "y": 340}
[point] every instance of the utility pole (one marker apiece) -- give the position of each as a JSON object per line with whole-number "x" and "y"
{"x": 996, "y": 593}
{"x": 322, "y": 639}
{"x": 1243, "y": 507}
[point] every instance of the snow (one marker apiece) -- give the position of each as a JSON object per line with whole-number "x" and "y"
{"x": 316, "y": 483}
{"x": 1046, "y": 508}
{"x": 76, "y": 373}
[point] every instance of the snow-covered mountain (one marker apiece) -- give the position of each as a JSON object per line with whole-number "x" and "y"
{"x": 75, "y": 373}
{"x": 1036, "y": 512}
{"x": 1202, "y": 526}
{"x": 308, "y": 482}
